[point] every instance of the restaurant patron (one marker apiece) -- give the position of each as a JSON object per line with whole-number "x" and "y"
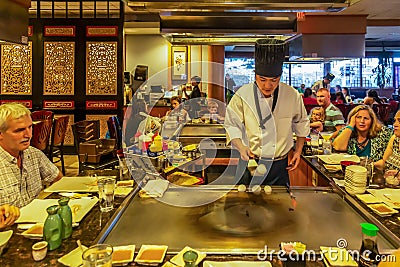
{"x": 23, "y": 168}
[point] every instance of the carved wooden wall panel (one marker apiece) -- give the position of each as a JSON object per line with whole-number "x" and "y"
{"x": 59, "y": 62}
{"x": 16, "y": 69}
{"x": 101, "y": 68}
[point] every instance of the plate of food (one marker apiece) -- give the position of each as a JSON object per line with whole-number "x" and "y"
{"x": 151, "y": 254}
{"x": 333, "y": 168}
{"x": 125, "y": 183}
{"x": 35, "y": 232}
{"x": 368, "y": 198}
{"x": 178, "y": 258}
{"x": 382, "y": 209}
{"x": 123, "y": 254}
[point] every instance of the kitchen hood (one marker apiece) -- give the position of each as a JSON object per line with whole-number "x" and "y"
{"x": 222, "y": 22}
{"x": 239, "y": 5}
{"x": 14, "y": 21}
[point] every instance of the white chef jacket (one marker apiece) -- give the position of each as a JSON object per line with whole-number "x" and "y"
{"x": 276, "y": 140}
{"x": 320, "y": 84}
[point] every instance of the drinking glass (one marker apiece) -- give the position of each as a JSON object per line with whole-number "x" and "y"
{"x": 99, "y": 255}
{"x": 106, "y": 187}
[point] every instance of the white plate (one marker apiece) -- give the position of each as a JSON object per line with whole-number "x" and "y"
{"x": 5, "y": 236}
{"x": 36, "y": 210}
{"x": 337, "y": 158}
{"x": 28, "y": 233}
{"x": 74, "y": 258}
{"x": 75, "y": 184}
{"x": 236, "y": 263}
{"x": 368, "y": 198}
{"x": 178, "y": 258}
{"x": 126, "y": 258}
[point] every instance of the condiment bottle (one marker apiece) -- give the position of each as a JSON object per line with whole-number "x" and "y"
{"x": 66, "y": 216}
{"x": 369, "y": 247}
{"x": 52, "y": 228}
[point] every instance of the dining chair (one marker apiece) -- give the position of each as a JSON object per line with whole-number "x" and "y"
{"x": 42, "y": 115}
{"x": 115, "y": 130}
{"x": 41, "y": 134}
{"x": 85, "y": 131}
{"x": 56, "y": 149}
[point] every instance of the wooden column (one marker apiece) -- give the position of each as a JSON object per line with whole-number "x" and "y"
{"x": 216, "y": 54}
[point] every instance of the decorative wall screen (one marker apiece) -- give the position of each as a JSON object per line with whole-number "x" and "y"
{"x": 59, "y": 61}
{"x": 16, "y": 69}
{"x": 101, "y": 68}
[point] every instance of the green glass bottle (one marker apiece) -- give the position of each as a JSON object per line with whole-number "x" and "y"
{"x": 52, "y": 228}
{"x": 66, "y": 216}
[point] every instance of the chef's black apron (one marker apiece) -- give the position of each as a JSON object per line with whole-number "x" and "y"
{"x": 277, "y": 173}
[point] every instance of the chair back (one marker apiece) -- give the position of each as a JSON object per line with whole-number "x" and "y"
{"x": 59, "y": 130}
{"x": 115, "y": 130}
{"x": 41, "y": 134}
{"x": 345, "y": 109}
{"x": 309, "y": 107}
{"x": 42, "y": 115}
{"x": 382, "y": 111}
{"x": 84, "y": 131}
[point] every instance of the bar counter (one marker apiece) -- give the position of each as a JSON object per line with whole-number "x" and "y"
{"x": 234, "y": 227}
{"x": 389, "y": 226}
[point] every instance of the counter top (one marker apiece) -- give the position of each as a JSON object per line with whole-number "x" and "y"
{"x": 389, "y": 226}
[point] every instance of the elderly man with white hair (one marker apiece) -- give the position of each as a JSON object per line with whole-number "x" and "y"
{"x": 23, "y": 168}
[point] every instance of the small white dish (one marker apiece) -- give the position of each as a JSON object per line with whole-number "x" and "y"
{"x": 151, "y": 254}
{"x": 236, "y": 263}
{"x": 4, "y": 237}
{"x": 123, "y": 254}
{"x": 35, "y": 232}
{"x": 178, "y": 258}
{"x": 73, "y": 258}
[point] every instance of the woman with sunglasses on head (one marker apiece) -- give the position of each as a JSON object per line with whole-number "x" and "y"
{"x": 364, "y": 136}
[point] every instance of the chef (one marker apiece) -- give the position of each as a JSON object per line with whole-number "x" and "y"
{"x": 262, "y": 117}
{"x": 325, "y": 83}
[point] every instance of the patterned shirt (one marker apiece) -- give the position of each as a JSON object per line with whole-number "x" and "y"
{"x": 378, "y": 144}
{"x": 19, "y": 187}
{"x": 393, "y": 162}
{"x": 333, "y": 117}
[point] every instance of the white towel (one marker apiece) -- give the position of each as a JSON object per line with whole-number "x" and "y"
{"x": 156, "y": 188}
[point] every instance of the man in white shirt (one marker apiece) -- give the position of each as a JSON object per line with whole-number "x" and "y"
{"x": 262, "y": 117}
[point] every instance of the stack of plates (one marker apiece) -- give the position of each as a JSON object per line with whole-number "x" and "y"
{"x": 355, "y": 179}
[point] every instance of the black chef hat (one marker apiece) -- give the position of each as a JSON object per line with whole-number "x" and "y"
{"x": 269, "y": 57}
{"x": 329, "y": 76}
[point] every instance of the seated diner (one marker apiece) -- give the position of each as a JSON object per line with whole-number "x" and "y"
{"x": 364, "y": 136}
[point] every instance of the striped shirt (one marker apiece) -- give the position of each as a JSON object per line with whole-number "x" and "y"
{"x": 333, "y": 117}
{"x": 19, "y": 187}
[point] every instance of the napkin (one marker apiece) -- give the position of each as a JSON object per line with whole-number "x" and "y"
{"x": 156, "y": 188}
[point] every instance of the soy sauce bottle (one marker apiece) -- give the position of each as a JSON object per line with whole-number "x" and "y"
{"x": 369, "y": 246}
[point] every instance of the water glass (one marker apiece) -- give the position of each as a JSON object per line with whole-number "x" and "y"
{"x": 106, "y": 193}
{"x": 99, "y": 255}
{"x": 327, "y": 147}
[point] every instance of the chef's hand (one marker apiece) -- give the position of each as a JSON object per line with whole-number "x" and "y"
{"x": 294, "y": 162}
{"x": 245, "y": 152}
{"x": 8, "y": 215}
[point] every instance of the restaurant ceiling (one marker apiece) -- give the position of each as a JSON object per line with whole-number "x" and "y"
{"x": 246, "y": 19}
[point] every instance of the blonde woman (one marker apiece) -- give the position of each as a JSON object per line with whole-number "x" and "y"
{"x": 364, "y": 136}
{"x": 391, "y": 158}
